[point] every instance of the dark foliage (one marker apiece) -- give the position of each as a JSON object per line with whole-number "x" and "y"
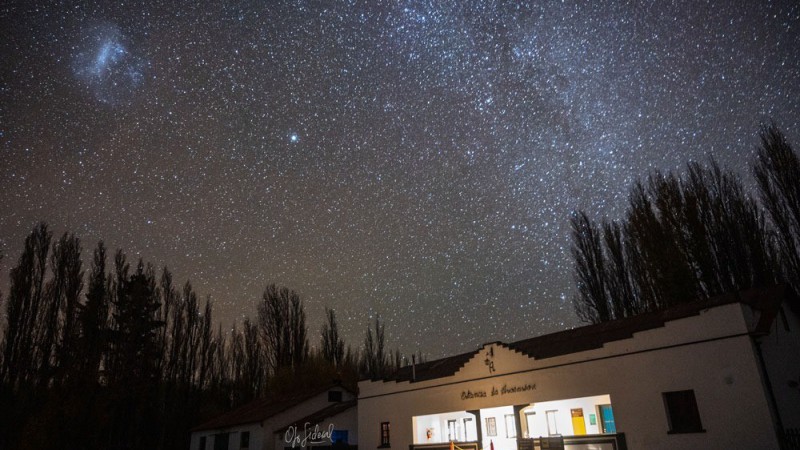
{"x": 692, "y": 237}
{"x": 777, "y": 171}
{"x": 123, "y": 359}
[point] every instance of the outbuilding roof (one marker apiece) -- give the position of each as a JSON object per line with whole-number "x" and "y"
{"x": 261, "y": 409}
{"x": 319, "y": 416}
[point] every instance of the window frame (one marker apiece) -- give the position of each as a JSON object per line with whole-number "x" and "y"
{"x": 491, "y": 426}
{"x": 335, "y": 396}
{"x": 385, "y": 435}
{"x": 551, "y": 414}
{"x": 682, "y": 405}
{"x": 511, "y": 432}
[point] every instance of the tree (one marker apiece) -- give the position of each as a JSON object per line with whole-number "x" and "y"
{"x": 133, "y": 372}
{"x": 135, "y": 330}
{"x": 332, "y": 344}
{"x": 375, "y": 360}
{"x": 591, "y": 304}
{"x": 682, "y": 239}
{"x": 25, "y": 298}
{"x": 777, "y": 171}
{"x": 282, "y": 325}
{"x": 247, "y": 361}
{"x": 57, "y": 330}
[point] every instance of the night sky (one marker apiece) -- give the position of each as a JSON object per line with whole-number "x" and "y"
{"x": 413, "y": 160}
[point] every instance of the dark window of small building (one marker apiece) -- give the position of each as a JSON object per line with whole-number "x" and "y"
{"x": 682, "y": 412}
{"x": 385, "y": 435}
{"x": 202, "y": 445}
{"x": 221, "y": 441}
{"x": 784, "y": 320}
{"x": 244, "y": 440}
{"x": 334, "y": 396}
{"x": 339, "y": 437}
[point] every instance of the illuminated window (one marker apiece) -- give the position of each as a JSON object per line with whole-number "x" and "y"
{"x": 511, "y": 426}
{"x": 491, "y": 426}
{"x": 385, "y": 435}
{"x": 552, "y": 426}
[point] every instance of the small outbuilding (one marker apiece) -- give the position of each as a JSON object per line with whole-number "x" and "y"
{"x": 323, "y": 419}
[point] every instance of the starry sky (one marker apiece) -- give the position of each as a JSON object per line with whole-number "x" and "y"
{"x": 413, "y": 160}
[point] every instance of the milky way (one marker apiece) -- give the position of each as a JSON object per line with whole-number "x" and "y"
{"x": 413, "y": 160}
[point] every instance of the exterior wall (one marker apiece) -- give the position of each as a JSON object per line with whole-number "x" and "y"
{"x": 234, "y": 438}
{"x": 710, "y": 353}
{"x": 346, "y": 420}
{"x": 780, "y": 349}
{"x": 297, "y": 412}
{"x": 262, "y": 434}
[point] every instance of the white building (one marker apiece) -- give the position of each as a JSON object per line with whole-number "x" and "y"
{"x": 322, "y": 419}
{"x": 713, "y": 375}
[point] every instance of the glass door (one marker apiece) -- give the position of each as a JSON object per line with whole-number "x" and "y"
{"x": 607, "y": 419}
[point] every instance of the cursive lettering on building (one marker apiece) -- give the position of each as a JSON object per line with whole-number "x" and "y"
{"x": 472, "y": 394}
{"x": 506, "y": 389}
{"x": 309, "y": 435}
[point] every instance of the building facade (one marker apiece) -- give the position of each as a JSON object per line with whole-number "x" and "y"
{"x": 714, "y": 375}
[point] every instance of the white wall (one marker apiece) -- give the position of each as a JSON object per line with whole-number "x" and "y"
{"x": 780, "y": 349}
{"x": 709, "y": 353}
{"x": 256, "y": 437}
{"x": 346, "y": 420}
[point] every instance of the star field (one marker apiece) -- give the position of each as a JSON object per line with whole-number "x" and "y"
{"x": 416, "y": 160}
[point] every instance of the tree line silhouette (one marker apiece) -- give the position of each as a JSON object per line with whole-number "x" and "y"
{"x": 122, "y": 358}
{"x": 692, "y": 236}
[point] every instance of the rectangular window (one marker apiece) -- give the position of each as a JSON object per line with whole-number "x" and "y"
{"x": 467, "y": 427}
{"x": 244, "y": 440}
{"x": 334, "y": 396}
{"x": 221, "y": 441}
{"x": 451, "y": 430}
{"x": 339, "y": 437}
{"x": 682, "y": 412}
{"x": 491, "y": 426}
{"x": 530, "y": 419}
{"x": 511, "y": 426}
{"x": 552, "y": 427}
{"x": 202, "y": 445}
{"x": 385, "y": 435}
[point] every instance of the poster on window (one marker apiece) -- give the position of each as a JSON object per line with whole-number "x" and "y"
{"x": 491, "y": 426}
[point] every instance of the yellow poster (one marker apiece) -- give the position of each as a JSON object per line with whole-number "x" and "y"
{"x": 578, "y": 424}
